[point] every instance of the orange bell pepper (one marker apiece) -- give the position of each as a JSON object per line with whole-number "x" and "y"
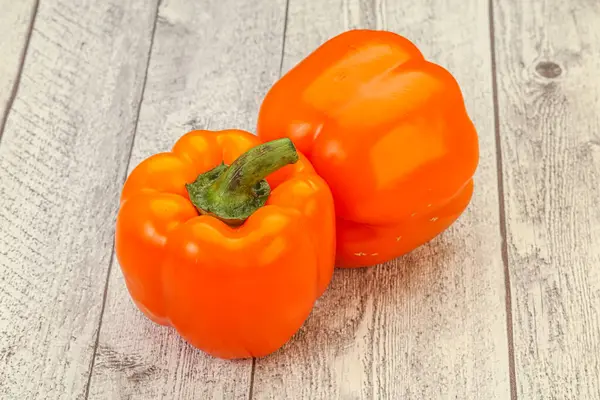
{"x": 389, "y": 133}
{"x": 233, "y": 261}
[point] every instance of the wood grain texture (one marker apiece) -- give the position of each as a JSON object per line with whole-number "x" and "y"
{"x": 432, "y": 324}
{"x": 547, "y": 62}
{"x": 211, "y": 64}
{"x": 15, "y": 26}
{"x": 62, "y": 159}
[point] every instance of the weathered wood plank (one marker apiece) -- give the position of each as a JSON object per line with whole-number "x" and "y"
{"x": 211, "y": 64}
{"x": 16, "y": 22}
{"x": 430, "y": 325}
{"x": 548, "y": 59}
{"x": 62, "y": 159}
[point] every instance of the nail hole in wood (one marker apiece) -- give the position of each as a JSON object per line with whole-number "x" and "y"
{"x": 548, "y": 69}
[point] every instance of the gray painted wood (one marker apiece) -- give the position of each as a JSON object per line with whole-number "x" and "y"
{"x": 211, "y": 64}
{"x": 548, "y": 59}
{"x": 430, "y": 325}
{"x": 62, "y": 159}
{"x": 15, "y": 26}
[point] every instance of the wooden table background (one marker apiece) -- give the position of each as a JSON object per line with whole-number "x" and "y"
{"x": 503, "y": 305}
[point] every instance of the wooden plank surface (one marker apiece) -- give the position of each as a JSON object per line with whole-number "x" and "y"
{"x": 211, "y": 64}
{"x": 548, "y": 60}
{"x": 62, "y": 159}
{"x": 431, "y": 325}
{"x": 15, "y": 26}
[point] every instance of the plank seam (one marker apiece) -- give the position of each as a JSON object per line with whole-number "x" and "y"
{"x": 251, "y": 389}
{"x": 17, "y": 83}
{"x": 112, "y": 256}
{"x": 285, "y": 24}
{"x": 502, "y": 209}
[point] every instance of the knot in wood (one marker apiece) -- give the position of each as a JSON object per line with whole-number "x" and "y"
{"x": 548, "y": 69}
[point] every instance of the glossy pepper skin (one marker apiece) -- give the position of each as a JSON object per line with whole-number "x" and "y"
{"x": 231, "y": 291}
{"x": 389, "y": 133}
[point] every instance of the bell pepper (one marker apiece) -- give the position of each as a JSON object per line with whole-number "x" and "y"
{"x": 228, "y": 240}
{"x": 389, "y": 133}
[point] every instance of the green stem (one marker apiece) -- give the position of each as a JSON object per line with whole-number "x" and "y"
{"x": 233, "y": 193}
